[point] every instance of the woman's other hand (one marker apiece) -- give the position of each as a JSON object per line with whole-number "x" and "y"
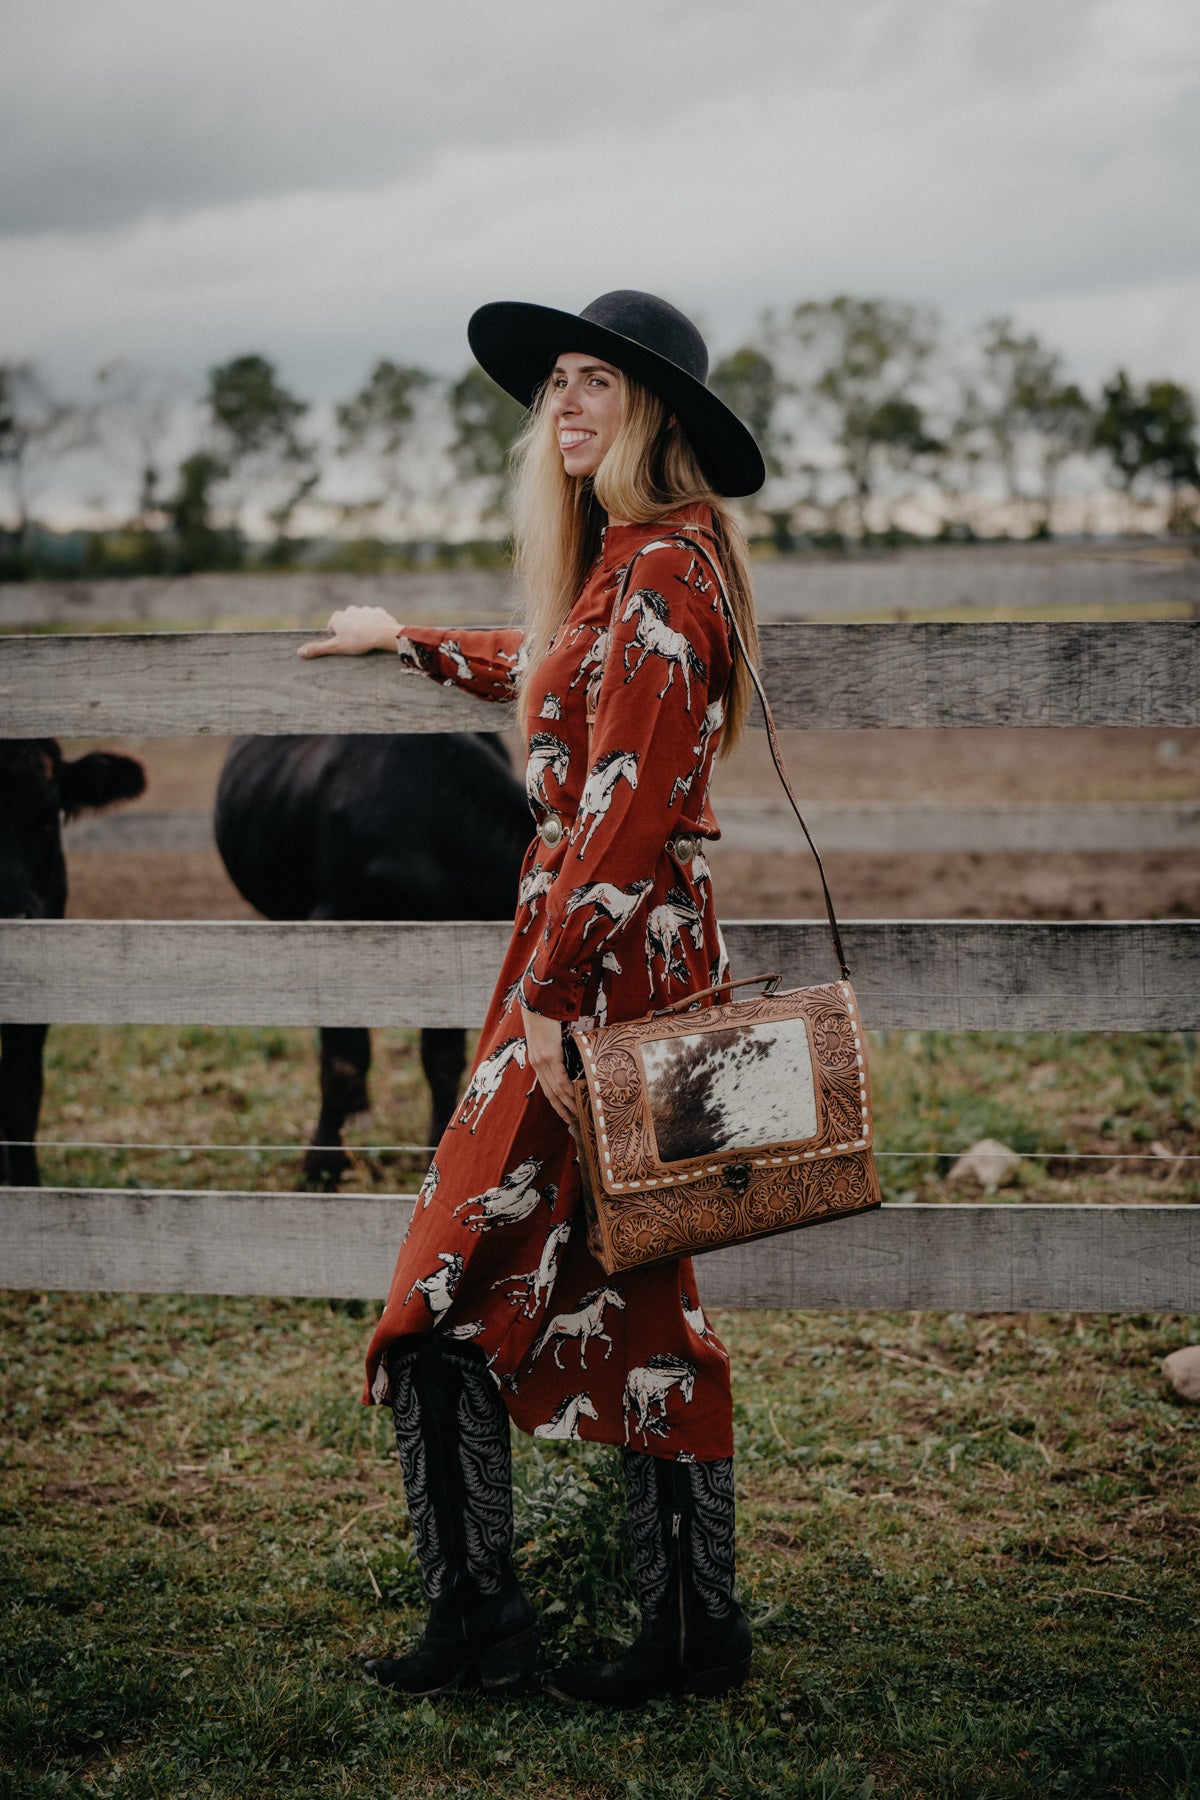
{"x": 543, "y": 1040}
{"x": 353, "y": 630}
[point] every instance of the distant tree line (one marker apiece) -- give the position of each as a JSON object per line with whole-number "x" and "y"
{"x": 876, "y": 426}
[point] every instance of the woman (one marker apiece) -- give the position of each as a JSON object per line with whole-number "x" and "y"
{"x": 496, "y": 1307}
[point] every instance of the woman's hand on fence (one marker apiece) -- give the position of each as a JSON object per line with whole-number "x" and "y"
{"x": 543, "y": 1041}
{"x": 354, "y": 630}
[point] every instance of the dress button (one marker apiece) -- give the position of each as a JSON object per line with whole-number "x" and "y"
{"x": 550, "y": 830}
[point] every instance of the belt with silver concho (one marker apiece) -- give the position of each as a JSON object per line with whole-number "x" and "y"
{"x": 552, "y": 831}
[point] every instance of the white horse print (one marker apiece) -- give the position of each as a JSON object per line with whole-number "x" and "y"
{"x": 484, "y": 1085}
{"x": 647, "y": 1390}
{"x": 463, "y": 1334}
{"x": 681, "y": 787}
{"x": 699, "y": 580}
{"x": 533, "y": 1290}
{"x": 586, "y": 1323}
{"x": 548, "y": 755}
{"x": 510, "y": 1201}
{"x": 607, "y": 961}
{"x": 551, "y": 707}
{"x": 564, "y": 1420}
{"x": 718, "y": 971}
{"x": 534, "y": 887}
{"x": 598, "y": 789}
{"x": 451, "y": 648}
{"x": 439, "y": 1285}
{"x": 711, "y": 723}
{"x": 663, "y": 934}
{"x": 429, "y": 1186}
{"x": 615, "y": 904}
{"x": 696, "y": 1320}
{"x": 593, "y": 657}
{"x": 653, "y": 636}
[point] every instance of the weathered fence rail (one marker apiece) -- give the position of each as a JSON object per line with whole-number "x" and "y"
{"x": 819, "y": 677}
{"x": 941, "y": 974}
{"x": 952, "y": 1258}
{"x": 937, "y": 973}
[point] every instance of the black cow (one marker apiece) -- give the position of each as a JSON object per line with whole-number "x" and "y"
{"x": 415, "y": 826}
{"x": 38, "y": 789}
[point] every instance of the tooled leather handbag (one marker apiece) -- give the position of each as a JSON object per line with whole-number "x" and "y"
{"x": 703, "y": 1126}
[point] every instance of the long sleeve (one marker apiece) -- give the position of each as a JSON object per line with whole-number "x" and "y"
{"x": 477, "y": 659}
{"x": 657, "y": 713}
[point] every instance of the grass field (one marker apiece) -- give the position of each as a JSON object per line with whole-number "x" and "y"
{"x": 1100, "y": 1117}
{"x": 970, "y": 1546}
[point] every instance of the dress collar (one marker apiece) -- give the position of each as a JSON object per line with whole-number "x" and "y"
{"x": 617, "y": 542}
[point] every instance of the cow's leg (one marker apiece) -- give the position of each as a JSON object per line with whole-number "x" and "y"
{"x": 345, "y": 1060}
{"x": 453, "y": 1438}
{"x": 21, "y": 1048}
{"x": 443, "y": 1058}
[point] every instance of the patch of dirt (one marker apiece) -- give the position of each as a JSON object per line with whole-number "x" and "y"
{"x": 756, "y": 884}
{"x": 963, "y": 767}
{"x": 89, "y": 1493}
{"x": 152, "y": 884}
{"x": 952, "y": 766}
{"x": 749, "y": 884}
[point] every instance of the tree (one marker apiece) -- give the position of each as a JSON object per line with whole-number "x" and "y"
{"x": 135, "y": 415}
{"x": 486, "y": 420}
{"x": 380, "y": 422}
{"x": 36, "y": 430}
{"x": 200, "y": 544}
{"x": 1020, "y": 413}
{"x": 1150, "y": 432}
{"x": 256, "y": 439}
{"x": 748, "y": 382}
{"x": 856, "y": 363}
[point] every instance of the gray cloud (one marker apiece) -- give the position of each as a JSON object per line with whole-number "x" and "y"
{"x": 124, "y": 107}
{"x": 333, "y": 184}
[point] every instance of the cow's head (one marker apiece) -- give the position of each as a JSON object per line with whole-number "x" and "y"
{"x": 39, "y": 787}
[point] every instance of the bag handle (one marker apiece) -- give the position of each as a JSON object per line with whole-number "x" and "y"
{"x": 770, "y": 989}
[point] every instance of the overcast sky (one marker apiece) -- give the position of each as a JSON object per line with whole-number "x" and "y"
{"x": 329, "y": 182}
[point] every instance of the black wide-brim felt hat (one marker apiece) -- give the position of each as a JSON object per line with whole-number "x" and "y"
{"x": 643, "y": 336}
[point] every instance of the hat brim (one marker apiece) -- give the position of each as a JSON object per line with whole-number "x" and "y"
{"x": 517, "y": 342}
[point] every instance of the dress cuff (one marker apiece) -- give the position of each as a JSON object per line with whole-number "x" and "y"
{"x": 554, "y": 996}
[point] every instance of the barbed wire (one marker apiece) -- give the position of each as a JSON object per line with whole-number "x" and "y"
{"x": 1157, "y": 1156}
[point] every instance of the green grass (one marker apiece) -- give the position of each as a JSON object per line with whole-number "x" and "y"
{"x": 1113, "y": 1096}
{"x": 969, "y": 1547}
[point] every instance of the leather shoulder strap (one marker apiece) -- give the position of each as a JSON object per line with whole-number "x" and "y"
{"x": 773, "y": 740}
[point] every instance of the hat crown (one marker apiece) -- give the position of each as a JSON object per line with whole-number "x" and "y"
{"x": 654, "y": 324}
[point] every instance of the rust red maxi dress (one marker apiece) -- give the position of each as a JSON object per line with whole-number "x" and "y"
{"x": 609, "y": 924}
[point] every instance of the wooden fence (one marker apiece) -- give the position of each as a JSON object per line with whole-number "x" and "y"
{"x": 938, "y": 974}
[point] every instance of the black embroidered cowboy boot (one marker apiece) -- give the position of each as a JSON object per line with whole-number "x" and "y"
{"x": 695, "y": 1639}
{"x": 453, "y": 1438}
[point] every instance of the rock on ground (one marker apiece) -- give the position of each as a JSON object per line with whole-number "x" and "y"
{"x": 1182, "y": 1370}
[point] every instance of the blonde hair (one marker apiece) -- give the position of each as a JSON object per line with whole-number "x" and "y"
{"x": 650, "y": 469}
